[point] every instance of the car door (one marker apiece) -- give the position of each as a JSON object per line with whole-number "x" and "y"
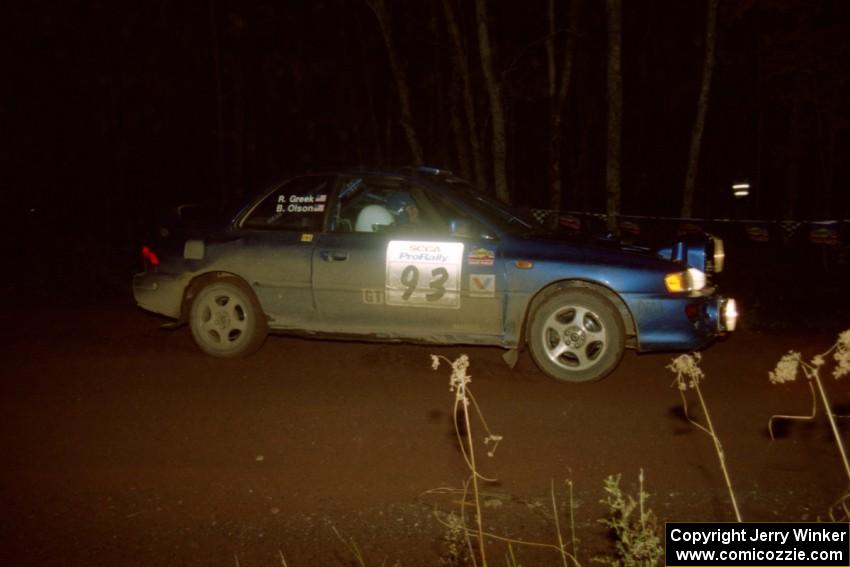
{"x": 275, "y": 251}
{"x": 390, "y": 266}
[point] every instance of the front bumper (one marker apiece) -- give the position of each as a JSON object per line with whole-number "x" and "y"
{"x": 160, "y": 293}
{"x": 681, "y": 323}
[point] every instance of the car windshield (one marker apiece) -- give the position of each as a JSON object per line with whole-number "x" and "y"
{"x": 503, "y": 215}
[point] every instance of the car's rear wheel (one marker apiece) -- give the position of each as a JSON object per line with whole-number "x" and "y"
{"x": 226, "y": 320}
{"x": 576, "y": 335}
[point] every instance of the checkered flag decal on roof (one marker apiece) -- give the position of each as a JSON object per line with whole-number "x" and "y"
{"x": 789, "y": 228}
{"x": 540, "y": 215}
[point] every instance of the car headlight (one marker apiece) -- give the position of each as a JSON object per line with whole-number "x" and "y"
{"x": 689, "y": 280}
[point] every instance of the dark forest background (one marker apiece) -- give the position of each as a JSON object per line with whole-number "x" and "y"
{"x": 112, "y": 111}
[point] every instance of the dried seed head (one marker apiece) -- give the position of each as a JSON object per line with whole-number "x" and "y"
{"x": 687, "y": 370}
{"x": 786, "y": 368}
{"x": 842, "y": 355}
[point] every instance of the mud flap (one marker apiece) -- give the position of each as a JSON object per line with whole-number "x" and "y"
{"x": 511, "y": 357}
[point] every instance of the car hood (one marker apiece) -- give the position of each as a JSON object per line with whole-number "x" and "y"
{"x": 586, "y": 249}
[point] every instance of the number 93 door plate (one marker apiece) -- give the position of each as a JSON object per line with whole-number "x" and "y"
{"x": 424, "y": 274}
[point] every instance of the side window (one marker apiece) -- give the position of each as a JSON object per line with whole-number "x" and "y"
{"x": 450, "y": 210}
{"x": 456, "y": 220}
{"x": 381, "y": 205}
{"x": 298, "y": 205}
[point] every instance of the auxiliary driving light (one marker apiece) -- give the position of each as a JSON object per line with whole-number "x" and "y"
{"x": 730, "y": 315}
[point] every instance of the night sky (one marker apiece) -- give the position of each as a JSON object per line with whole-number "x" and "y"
{"x": 112, "y": 111}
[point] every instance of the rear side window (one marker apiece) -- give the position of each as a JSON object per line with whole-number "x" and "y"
{"x": 299, "y": 204}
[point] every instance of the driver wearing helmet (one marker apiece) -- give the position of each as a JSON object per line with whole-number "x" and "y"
{"x": 403, "y": 208}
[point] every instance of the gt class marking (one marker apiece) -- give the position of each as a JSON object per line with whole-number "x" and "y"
{"x": 424, "y": 274}
{"x": 373, "y": 296}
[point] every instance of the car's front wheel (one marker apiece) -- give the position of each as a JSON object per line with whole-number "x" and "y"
{"x": 226, "y": 320}
{"x": 576, "y": 335}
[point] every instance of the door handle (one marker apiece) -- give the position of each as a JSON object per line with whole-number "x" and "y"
{"x": 334, "y": 255}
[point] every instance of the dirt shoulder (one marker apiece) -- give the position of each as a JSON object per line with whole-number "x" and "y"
{"x": 127, "y": 446}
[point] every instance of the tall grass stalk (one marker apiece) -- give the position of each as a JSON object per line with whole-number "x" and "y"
{"x": 494, "y": 537}
{"x": 352, "y": 547}
{"x": 573, "y": 539}
{"x": 557, "y": 522}
{"x": 464, "y": 399}
{"x": 556, "y": 515}
{"x": 787, "y": 370}
{"x": 688, "y": 377}
{"x": 458, "y": 384}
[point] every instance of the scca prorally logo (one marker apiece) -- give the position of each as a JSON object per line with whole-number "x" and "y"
{"x": 430, "y": 248}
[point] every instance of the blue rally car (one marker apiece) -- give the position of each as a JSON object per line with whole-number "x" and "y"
{"x": 417, "y": 254}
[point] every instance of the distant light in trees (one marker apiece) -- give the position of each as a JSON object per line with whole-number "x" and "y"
{"x": 741, "y": 189}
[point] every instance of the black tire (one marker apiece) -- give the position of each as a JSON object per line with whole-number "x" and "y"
{"x": 226, "y": 320}
{"x": 576, "y": 335}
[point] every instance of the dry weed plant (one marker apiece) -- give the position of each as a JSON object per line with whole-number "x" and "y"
{"x": 352, "y": 547}
{"x": 457, "y": 524}
{"x": 787, "y": 370}
{"x": 634, "y": 525}
{"x": 688, "y": 377}
{"x": 510, "y": 558}
{"x": 457, "y": 542}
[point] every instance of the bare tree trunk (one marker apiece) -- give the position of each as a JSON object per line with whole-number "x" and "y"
{"x": 355, "y": 106}
{"x": 494, "y": 90}
{"x": 461, "y": 146}
{"x": 373, "y": 122}
{"x": 117, "y": 140}
{"x": 379, "y": 7}
{"x": 792, "y": 155}
{"x": 641, "y": 148}
{"x": 368, "y": 89}
{"x": 462, "y": 68}
{"x": 237, "y": 185}
{"x": 219, "y": 100}
{"x": 581, "y": 159}
{"x": 558, "y": 95}
{"x": 614, "y": 10}
{"x": 702, "y": 109}
{"x": 389, "y": 142}
{"x": 826, "y": 155}
{"x": 435, "y": 135}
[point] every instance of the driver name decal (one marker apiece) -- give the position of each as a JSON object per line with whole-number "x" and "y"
{"x": 424, "y": 274}
{"x": 301, "y": 204}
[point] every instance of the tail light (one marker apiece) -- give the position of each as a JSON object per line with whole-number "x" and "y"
{"x": 150, "y": 256}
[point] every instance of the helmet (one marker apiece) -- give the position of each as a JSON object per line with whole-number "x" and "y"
{"x": 371, "y": 217}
